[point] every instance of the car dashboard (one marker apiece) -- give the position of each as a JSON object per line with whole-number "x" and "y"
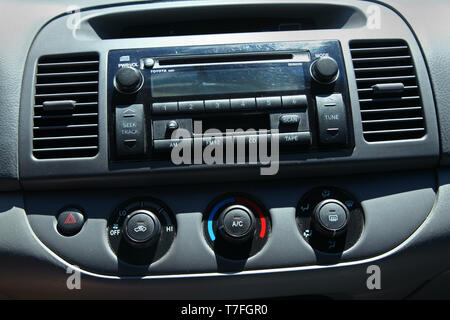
{"x": 224, "y": 149}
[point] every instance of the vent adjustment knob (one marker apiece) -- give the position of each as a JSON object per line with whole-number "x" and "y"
{"x": 325, "y": 70}
{"x": 128, "y": 80}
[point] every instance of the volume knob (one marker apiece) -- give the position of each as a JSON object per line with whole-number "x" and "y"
{"x": 128, "y": 80}
{"x": 325, "y": 70}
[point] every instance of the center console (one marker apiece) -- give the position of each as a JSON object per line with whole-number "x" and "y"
{"x": 226, "y": 149}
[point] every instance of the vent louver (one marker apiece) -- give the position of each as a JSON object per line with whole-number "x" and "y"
{"x": 389, "y": 96}
{"x": 65, "y": 120}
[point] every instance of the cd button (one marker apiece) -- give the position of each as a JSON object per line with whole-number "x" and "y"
{"x": 295, "y": 101}
{"x": 243, "y": 104}
{"x": 268, "y": 102}
{"x": 191, "y": 106}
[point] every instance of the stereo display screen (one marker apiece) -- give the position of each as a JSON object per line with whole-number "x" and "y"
{"x": 227, "y": 79}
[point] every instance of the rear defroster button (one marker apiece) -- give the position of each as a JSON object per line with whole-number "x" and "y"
{"x": 332, "y": 216}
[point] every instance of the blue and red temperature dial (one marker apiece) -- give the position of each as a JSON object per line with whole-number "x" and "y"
{"x": 236, "y": 227}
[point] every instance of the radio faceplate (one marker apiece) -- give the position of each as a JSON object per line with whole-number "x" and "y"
{"x": 293, "y": 94}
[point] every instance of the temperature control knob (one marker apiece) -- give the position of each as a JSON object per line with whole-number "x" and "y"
{"x": 128, "y": 80}
{"x": 236, "y": 223}
{"x": 325, "y": 70}
{"x": 141, "y": 228}
{"x": 331, "y": 217}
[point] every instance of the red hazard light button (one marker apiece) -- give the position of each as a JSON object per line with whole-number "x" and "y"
{"x": 70, "y": 222}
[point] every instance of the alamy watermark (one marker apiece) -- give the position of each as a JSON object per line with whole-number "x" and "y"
{"x": 373, "y": 282}
{"x": 74, "y": 279}
{"x": 214, "y": 147}
{"x": 373, "y": 17}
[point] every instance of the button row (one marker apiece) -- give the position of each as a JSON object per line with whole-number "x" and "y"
{"x": 284, "y": 139}
{"x": 241, "y": 104}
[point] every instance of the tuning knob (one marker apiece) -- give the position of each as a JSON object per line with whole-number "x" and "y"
{"x": 128, "y": 80}
{"x": 236, "y": 223}
{"x": 331, "y": 217}
{"x": 325, "y": 70}
{"x": 141, "y": 228}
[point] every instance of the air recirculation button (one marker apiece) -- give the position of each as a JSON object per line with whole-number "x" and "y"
{"x": 142, "y": 228}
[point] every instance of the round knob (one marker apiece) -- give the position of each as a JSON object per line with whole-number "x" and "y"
{"x": 236, "y": 223}
{"x": 141, "y": 228}
{"x": 325, "y": 70}
{"x": 128, "y": 80}
{"x": 331, "y": 217}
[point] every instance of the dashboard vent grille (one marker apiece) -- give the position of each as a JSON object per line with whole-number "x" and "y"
{"x": 389, "y": 96}
{"x": 65, "y": 119}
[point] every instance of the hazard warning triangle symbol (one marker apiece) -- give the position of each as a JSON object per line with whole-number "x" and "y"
{"x": 70, "y": 219}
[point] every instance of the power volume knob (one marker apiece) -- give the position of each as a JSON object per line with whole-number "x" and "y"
{"x": 325, "y": 70}
{"x": 128, "y": 80}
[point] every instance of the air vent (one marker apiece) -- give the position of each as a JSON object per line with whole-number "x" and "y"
{"x": 65, "y": 120}
{"x": 389, "y": 96}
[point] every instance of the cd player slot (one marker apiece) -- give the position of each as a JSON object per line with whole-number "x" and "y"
{"x": 302, "y": 56}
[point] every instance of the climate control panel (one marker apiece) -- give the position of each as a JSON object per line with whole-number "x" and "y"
{"x": 235, "y": 226}
{"x": 178, "y": 230}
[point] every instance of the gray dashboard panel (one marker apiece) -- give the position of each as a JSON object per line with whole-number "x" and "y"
{"x": 57, "y": 38}
{"x": 405, "y": 268}
{"x": 21, "y": 16}
{"x": 394, "y": 206}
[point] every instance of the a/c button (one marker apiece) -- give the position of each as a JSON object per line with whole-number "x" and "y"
{"x": 237, "y": 222}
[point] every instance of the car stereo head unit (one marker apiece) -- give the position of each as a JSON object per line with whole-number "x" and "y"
{"x": 294, "y": 93}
